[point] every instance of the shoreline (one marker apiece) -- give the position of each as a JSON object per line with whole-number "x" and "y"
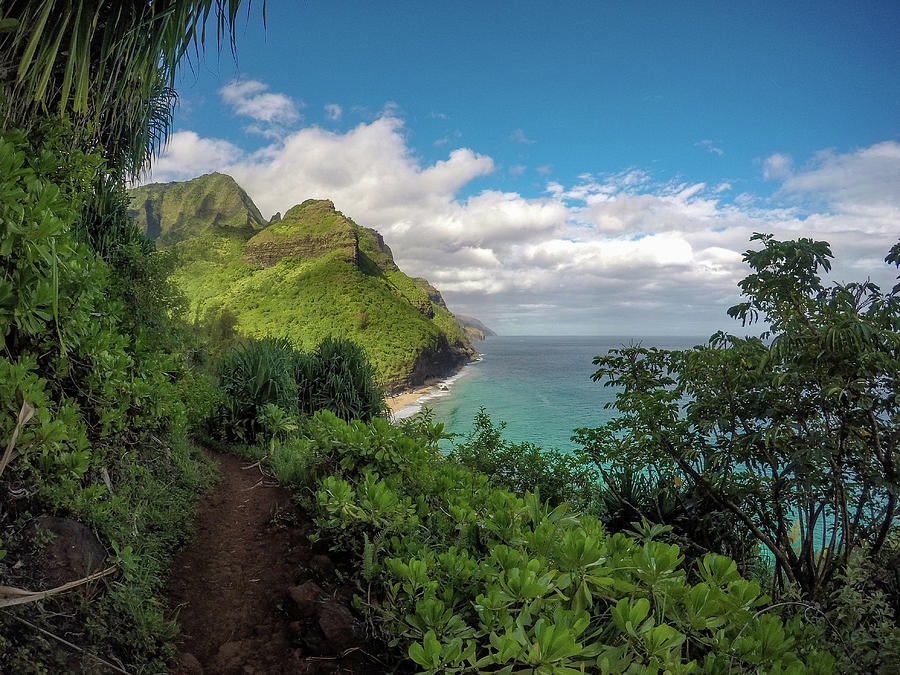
{"x": 408, "y": 403}
{"x": 407, "y": 398}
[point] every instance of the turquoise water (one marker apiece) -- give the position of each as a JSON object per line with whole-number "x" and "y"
{"x": 540, "y": 386}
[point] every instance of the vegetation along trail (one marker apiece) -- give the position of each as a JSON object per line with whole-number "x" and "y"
{"x": 237, "y": 585}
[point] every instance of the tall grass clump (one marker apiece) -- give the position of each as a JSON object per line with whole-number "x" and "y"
{"x": 267, "y": 383}
{"x": 336, "y": 376}
{"x": 254, "y": 375}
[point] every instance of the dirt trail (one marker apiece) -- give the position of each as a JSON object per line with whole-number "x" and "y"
{"x": 232, "y": 587}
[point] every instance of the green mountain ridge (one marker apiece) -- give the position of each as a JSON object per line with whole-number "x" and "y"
{"x": 171, "y": 212}
{"x": 307, "y": 275}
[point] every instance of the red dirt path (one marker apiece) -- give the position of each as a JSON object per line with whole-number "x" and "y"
{"x": 229, "y": 585}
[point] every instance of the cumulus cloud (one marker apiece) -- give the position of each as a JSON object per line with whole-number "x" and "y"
{"x": 866, "y": 177}
{"x": 333, "y": 111}
{"x": 777, "y": 166}
{"x": 187, "y": 155}
{"x": 271, "y": 112}
{"x": 616, "y": 253}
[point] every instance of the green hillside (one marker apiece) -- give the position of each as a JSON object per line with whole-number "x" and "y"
{"x": 171, "y": 212}
{"x": 311, "y": 274}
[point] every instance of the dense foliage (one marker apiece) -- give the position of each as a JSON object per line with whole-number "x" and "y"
{"x": 336, "y": 376}
{"x": 519, "y": 467}
{"x": 268, "y": 380}
{"x": 95, "y": 392}
{"x": 792, "y": 436}
{"x": 463, "y": 576}
{"x": 84, "y": 355}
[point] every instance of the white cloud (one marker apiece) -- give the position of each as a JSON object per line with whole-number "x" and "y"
{"x": 777, "y": 166}
{"x": 868, "y": 178}
{"x": 517, "y": 169}
{"x": 609, "y": 254}
{"x": 333, "y": 111}
{"x": 710, "y": 146}
{"x": 270, "y": 111}
{"x": 369, "y": 166}
{"x": 187, "y": 155}
{"x": 518, "y": 136}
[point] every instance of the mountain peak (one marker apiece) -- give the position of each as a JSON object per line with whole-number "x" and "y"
{"x": 172, "y": 212}
{"x": 307, "y": 230}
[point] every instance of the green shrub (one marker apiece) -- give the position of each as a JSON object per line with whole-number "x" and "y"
{"x": 252, "y": 375}
{"x": 336, "y": 376}
{"x": 465, "y": 577}
{"x": 790, "y": 432}
{"x": 624, "y": 495}
{"x": 88, "y": 346}
{"x": 521, "y": 467}
{"x": 294, "y": 462}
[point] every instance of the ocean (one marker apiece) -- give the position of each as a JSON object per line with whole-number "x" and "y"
{"x": 540, "y": 386}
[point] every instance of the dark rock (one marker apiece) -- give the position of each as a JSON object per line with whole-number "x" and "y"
{"x": 306, "y": 598}
{"x": 74, "y": 552}
{"x": 434, "y": 363}
{"x": 322, "y": 564}
{"x": 340, "y": 628}
{"x": 189, "y": 665}
{"x": 229, "y": 657}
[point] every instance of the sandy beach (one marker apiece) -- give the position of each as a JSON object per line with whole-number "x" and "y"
{"x": 399, "y": 401}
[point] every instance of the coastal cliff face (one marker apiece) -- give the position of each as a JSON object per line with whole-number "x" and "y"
{"x": 474, "y": 329}
{"x": 306, "y": 275}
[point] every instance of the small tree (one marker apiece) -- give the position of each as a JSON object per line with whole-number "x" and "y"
{"x": 794, "y": 433}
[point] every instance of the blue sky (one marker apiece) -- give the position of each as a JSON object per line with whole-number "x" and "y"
{"x": 566, "y": 167}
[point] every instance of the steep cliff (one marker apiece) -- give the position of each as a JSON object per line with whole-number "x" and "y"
{"x": 474, "y": 328}
{"x": 311, "y": 273}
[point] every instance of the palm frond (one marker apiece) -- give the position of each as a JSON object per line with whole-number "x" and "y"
{"x": 109, "y": 63}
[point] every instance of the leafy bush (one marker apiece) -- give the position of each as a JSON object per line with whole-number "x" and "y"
{"x": 625, "y": 494}
{"x": 519, "y": 467}
{"x": 794, "y": 433}
{"x": 103, "y": 444}
{"x": 466, "y": 577}
{"x": 862, "y": 613}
